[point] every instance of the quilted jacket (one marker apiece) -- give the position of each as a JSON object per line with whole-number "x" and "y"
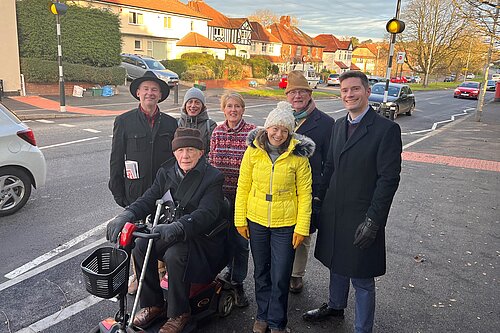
{"x": 276, "y": 194}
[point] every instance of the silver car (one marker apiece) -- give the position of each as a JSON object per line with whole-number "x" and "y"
{"x": 22, "y": 164}
{"x": 137, "y": 65}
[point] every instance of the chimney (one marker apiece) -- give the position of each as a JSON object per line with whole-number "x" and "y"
{"x": 285, "y": 20}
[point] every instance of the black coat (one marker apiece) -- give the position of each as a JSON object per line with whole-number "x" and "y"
{"x": 134, "y": 139}
{"x": 202, "y": 214}
{"x": 361, "y": 178}
{"x": 317, "y": 126}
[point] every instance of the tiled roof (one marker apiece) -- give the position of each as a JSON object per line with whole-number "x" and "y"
{"x": 273, "y": 59}
{"x": 260, "y": 34}
{"x": 332, "y": 43}
{"x": 292, "y": 35}
{"x": 228, "y": 45}
{"x": 353, "y": 67}
{"x": 218, "y": 19}
{"x": 194, "y": 39}
{"x": 341, "y": 65}
{"x": 167, "y": 6}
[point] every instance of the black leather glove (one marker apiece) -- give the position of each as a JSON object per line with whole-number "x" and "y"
{"x": 171, "y": 232}
{"x": 365, "y": 234}
{"x": 316, "y": 208}
{"x": 115, "y": 226}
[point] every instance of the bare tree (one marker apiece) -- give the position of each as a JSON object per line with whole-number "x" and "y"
{"x": 434, "y": 34}
{"x": 266, "y": 18}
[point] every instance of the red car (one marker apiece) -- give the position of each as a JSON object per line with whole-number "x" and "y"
{"x": 398, "y": 79}
{"x": 283, "y": 82}
{"x": 467, "y": 89}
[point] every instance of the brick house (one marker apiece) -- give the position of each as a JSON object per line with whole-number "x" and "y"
{"x": 266, "y": 45}
{"x": 337, "y": 54}
{"x": 366, "y": 56}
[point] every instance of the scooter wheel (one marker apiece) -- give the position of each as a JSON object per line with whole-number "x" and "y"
{"x": 226, "y": 303}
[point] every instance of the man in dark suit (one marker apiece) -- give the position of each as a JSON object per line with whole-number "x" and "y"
{"x": 360, "y": 179}
{"x": 317, "y": 125}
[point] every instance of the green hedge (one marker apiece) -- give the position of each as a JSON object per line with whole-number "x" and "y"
{"x": 198, "y": 72}
{"x": 260, "y": 67}
{"x": 45, "y": 71}
{"x": 89, "y": 36}
{"x": 177, "y": 65}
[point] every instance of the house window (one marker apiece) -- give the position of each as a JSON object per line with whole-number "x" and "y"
{"x": 135, "y": 18}
{"x": 192, "y": 25}
{"x": 150, "y": 48}
{"x": 309, "y": 51}
{"x": 264, "y": 47}
{"x": 137, "y": 44}
{"x": 299, "y": 50}
{"x": 252, "y": 47}
{"x": 167, "y": 22}
{"x": 271, "y": 48}
{"x": 218, "y": 32}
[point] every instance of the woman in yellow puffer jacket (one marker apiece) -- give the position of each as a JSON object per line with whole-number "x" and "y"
{"x": 273, "y": 210}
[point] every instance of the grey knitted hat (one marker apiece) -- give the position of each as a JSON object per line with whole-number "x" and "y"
{"x": 282, "y": 115}
{"x": 193, "y": 93}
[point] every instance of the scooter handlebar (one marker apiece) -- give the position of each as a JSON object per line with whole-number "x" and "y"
{"x": 139, "y": 234}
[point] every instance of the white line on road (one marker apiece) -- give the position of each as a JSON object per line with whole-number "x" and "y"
{"x": 91, "y": 130}
{"x": 51, "y": 264}
{"x": 67, "y": 125}
{"x": 69, "y": 142}
{"x": 61, "y": 315}
{"x": 45, "y": 121}
{"x": 52, "y": 253}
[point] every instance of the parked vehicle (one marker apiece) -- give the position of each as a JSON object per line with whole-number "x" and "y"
{"x": 137, "y": 65}
{"x": 467, "y": 89}
{"x": 490, "y": 85}
{"x": 450, "y": 78}
{"x": 470, "y": 76}
{"x": 283, "y": 81}
{"x": 495, "y": 77}
{"x": 333, "y": 80}
{"x": 398, "y": 79}
{"x": 22, "y": 164}
{"x": 400, "y": 99}
{"x": 309, "y": 73}
{"x": 375, "y": 79}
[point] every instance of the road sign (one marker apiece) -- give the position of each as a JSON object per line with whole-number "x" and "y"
{"x": 400, "y": 58}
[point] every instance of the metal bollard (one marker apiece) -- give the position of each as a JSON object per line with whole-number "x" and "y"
{"x": 176, "y": 93}
{"x": 1, "y": 90}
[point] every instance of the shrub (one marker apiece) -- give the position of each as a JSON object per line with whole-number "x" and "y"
{"x": 89, "y": 36}
{"x": 234, "y": 69}
{"x": 198, "y": 72}
{"x": 260, "y": 67}
{"x": 45, "y": 71}
{"x": 177, "y": 65}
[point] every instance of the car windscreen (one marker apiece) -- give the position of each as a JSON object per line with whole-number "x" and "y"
{"x": 379, "y": 90}
{"x": 470, "y": 85}
{"x": 153, "y": 64}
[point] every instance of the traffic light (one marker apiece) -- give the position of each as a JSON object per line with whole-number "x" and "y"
{"x": 395, "y": 26}
{"x": 58, "y": 8}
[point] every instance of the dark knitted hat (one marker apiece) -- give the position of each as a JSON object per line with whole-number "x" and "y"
{"x": 187, "y": 137}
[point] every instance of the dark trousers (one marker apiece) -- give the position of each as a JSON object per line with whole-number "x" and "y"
{"x": 175, "y": 258}
{"x": 238, "y": 253}
{"x": 273, "y": 255}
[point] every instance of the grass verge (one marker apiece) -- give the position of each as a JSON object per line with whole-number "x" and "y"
{"x": 280, "y": 93}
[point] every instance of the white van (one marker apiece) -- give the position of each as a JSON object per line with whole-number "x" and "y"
{"x": 309, "y": 73}
{"x": 495, "y": 77}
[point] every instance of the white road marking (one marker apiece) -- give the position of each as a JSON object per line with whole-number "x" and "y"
{"x": 61, "y": 315}
{"x": 333, "y": 112}
{"x": 69, "y": 142}
{"x": 51, "y": 264}
{"x": 52, "y": 253}
{"x": 67, "y": 125}
{"x": 45, "y": 121}
{"x": 91, "y": 130}
{"x": 436, "y": 124}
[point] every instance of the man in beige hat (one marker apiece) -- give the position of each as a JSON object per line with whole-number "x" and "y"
{"x": 317, "y": 125}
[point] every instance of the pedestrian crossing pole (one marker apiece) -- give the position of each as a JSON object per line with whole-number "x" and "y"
{"x": 394, "y": 26}
{"x": 59, "y": 9}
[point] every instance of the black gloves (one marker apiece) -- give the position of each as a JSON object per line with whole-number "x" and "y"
{"x": 170, "y": 233}
{"x": 365, "y": 234}
{"x": 316, "y": 208}
{"x": 115, "y": 226}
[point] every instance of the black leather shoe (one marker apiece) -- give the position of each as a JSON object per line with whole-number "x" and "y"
{"x": 296, "y": 285}
{"x": 322, "y": 313}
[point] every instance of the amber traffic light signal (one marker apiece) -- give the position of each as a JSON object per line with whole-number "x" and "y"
{"x": 395, "y": 26}
{"x": 58, "y": 8}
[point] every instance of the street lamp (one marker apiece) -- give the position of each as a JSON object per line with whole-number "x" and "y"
{"x": 394, "y": 26}
{"x": 59, "y": 9}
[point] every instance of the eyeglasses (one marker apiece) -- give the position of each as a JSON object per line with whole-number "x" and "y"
{"x": 298, "y": 92}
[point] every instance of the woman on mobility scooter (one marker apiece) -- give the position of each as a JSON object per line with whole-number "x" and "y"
{"x": 190, "y": 256}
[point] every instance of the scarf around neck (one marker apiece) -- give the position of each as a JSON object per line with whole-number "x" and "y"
{"x": 304, "y": 112}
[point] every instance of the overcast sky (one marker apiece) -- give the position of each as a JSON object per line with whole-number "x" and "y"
{"x": 363, "y": 18}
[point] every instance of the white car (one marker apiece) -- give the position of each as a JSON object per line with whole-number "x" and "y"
{"x": 22, "y": 164}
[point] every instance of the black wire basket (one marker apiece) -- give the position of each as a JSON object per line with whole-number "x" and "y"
{"x": 106, "y": 272}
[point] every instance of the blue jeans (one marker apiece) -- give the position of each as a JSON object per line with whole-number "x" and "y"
{"x": 238, "y": 255}
{"x": 273, "y": 255}
{"x": 365, "y": 299}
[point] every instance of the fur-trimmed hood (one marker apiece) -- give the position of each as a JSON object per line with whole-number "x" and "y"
{"x": 303, "y": 145}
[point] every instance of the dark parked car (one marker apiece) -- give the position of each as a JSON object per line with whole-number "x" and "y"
{"x": 376, "y": 79}
{"x": 467, "y": 89}
{"x": 490, "y": 85}
{"x": 400, "y": 99}
{"x": 450, "y": 78}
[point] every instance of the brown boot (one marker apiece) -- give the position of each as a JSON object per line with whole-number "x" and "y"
{"x": 296, "y": 285}
{"x": 259, "y": 326}
{"x": 176, "y": 324}
{"x": 146, "y": 316}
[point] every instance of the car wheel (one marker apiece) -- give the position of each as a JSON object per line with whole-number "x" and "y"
{"x": 393, "y": 114}
{"x": 410, "y": 111}
{"x": 15, "y": 190}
